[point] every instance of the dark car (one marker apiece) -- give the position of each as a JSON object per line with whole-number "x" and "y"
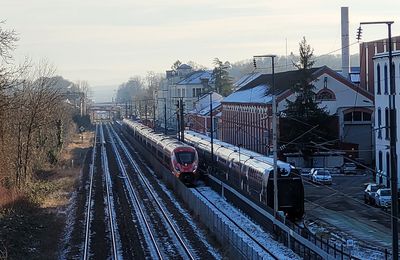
{"x": 369, "y": 193}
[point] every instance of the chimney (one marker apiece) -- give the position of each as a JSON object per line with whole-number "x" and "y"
{"x": 345, "y": 42}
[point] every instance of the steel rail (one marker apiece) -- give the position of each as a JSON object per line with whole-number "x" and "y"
{"x": 87, "y": 227}
{"x": 108, "y": 188}
{"x": 148, "y": 186}
{"x": 133, "y": 197}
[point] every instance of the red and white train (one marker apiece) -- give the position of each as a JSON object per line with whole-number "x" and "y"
{"x": 179, "y": 157}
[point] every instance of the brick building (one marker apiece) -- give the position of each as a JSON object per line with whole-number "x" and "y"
{"x": 199, "y": 119}
{"x": 246, "y": 113}
{"x": 367, "y": 51}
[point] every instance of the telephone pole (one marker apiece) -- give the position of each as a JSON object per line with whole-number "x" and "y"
{"x": 274, "y": 132}
{"x": 392, "y": 139}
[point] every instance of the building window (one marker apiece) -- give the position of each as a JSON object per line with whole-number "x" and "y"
{"x": 387, "y": 162}
{"x": 379, "y": 123}
{"x": 378, "y": 79}
{"x": 387, "y": 123}
{"x": 325, "y": 94}
{"x": 394, "y": 74}
{"x": 357, "y": 116}
{"x": 366, "y": 116}
{"x": 380, "y": 161}
{"x": 386, "y": 79}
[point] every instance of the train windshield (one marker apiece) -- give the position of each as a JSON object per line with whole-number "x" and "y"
{"x": 185, "y": 157}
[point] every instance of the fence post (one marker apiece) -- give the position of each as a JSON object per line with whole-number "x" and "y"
{"x": 386, "y": 254}
{"x": 334, "y": 249}
{"x": 341, "y": 248}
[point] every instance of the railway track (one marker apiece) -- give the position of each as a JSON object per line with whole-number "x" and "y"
{"x": 148, "y": 207}
{"x": 100, "y": 232}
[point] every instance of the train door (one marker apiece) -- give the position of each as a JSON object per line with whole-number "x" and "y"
{"x": 244, "y": 177}
{"x": 229, "y": 171}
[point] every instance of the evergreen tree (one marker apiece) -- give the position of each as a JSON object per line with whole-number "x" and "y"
{"x": 220, "y": 75}
{"x": 304, "y": 113}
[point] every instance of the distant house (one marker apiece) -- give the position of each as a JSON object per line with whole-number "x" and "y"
{"x": 185, "y": 84}
{"x": 198, "y": 119}
{"x": 246, "y": 113}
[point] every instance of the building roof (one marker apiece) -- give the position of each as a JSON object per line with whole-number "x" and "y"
{"x": 202, "y": 106}
{"x": 249, "y": 95}
{"x": 196, "y": 77}
{"x": 283, "y": 80}
{"x": 256, "y": 89}
{"x": 184, "y": 67}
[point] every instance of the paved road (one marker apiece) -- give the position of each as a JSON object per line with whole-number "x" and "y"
{"x": 342, "y": 207}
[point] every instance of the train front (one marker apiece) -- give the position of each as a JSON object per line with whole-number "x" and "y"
{"x": 184, "y": 161}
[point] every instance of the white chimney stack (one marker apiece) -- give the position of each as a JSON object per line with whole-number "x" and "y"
{"x": 345, "y": 42}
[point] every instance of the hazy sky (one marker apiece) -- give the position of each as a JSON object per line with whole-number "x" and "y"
{"x": 106, "y": 42}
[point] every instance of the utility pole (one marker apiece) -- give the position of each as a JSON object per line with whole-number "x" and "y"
{"x": 182, "y": 123}
{"x": 393, "y": 140}
{"x": 211, "y": 131}
{"x": 154, "y": 114}
{"x": 178, "y": 115}
{"x": 145, "y": 112}
{"x": 126, "y": 109}
{"x": 274, "y": 132}
{"x": 165, "y": 116}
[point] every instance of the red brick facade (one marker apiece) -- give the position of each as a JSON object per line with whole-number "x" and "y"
{"x": 367, "y": 51}
{"x": 247, "y": 124}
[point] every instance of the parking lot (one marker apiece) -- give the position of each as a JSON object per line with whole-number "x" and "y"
{"x": 340, "y": 208}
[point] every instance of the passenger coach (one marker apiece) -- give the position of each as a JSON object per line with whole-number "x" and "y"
{"x": 252, "y": 173}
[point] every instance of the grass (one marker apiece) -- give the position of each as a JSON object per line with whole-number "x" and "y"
{"x": 31, "y": 223}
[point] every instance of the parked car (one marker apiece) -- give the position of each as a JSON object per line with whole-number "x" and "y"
{"x": 369, "y": 193}
{"x": 349, "y": 168}
{"x": 383, "y": 197}
{"x": 321, "y": 176}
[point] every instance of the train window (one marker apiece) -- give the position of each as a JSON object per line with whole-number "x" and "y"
{"x": 184, "y": 157}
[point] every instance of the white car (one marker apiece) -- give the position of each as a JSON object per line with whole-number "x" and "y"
{"x": 349, "y": 168}
{"x": 383, "y": 197}
{"x": 321, "y": 176}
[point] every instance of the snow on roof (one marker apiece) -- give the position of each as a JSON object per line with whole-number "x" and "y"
{"x": 246, "y": 79}
{"x": 196, "y": 77}
{"x": 184, "y": 66}
{"x": 206, "y": 110}
{"x": 252, "y": 95}
{"x": 202, "y": 106}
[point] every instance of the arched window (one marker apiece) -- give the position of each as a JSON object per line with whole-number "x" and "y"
{"x": 378, "y": 79}
{"x": 379, "y": 123}
{"x": 325, "y": 94}
{"x": 385, "y": 71}
{"x": 387, "y": 123}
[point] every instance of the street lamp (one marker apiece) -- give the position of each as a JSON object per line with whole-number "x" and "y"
{"x": 274, "y": 136}
{"x": 393, "y": 137}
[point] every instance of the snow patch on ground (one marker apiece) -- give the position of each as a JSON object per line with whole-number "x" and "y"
{"x": 358, "y": 250}
{"x": 263, "y": 237}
